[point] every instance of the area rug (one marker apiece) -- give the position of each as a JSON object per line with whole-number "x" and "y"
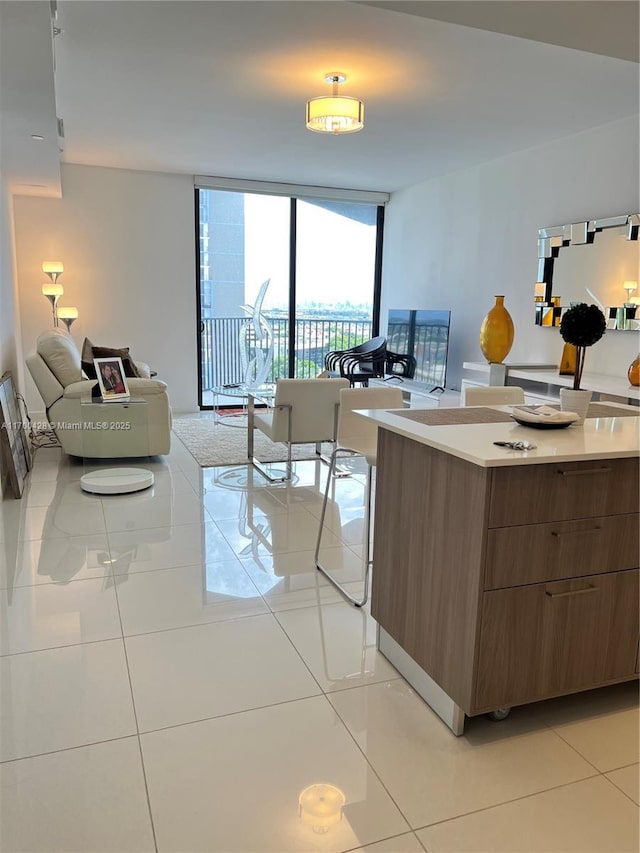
{"x": 213, "y": 444}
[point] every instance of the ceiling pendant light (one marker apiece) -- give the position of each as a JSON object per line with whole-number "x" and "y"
{"x": 335, "y": 113}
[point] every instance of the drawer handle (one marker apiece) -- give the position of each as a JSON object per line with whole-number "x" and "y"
{"x": 582, "y": 471}
{"x": 560, "y": 533}
{"x": 568, "y": 592}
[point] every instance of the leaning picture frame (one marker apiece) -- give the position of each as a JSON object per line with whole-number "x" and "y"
{"x": 111, "y": 378}
{"x": 15, "y": 451}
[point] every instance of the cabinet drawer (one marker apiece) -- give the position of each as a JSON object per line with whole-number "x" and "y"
{"x": 529, "y": 494}
{"x": 545, "y": 639}
{"x": 566, "y": 549}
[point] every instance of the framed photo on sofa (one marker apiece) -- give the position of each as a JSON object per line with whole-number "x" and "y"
{"x": 111, "y": 378}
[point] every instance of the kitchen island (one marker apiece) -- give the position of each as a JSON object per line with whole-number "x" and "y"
{"x": 503, "y": 577}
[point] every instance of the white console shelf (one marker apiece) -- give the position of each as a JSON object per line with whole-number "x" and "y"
{"x": 418, "y": 395}
{"x": 544, "y": 381}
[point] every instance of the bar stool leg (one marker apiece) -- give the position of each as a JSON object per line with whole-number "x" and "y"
{"x": 367, "y": 550}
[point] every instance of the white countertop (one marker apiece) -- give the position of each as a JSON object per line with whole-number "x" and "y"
{"x": 597, "y": 438}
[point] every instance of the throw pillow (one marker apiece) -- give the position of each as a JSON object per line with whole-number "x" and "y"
{"x": 144, "y": 371}
{"x": 130, "y": 369}
{"x": 89, "y": 352}
{"x": 86, "y": 359}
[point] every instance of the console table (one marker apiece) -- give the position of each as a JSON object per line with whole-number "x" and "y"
{"x": 418, "y": 394}
{"x": 543, "y": 382}
{"x": 504, "y": 577}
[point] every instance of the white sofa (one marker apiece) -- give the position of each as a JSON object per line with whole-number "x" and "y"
{"x": 57, "y": 371}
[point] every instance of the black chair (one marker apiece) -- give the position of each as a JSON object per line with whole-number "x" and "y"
{"x": 400, "y": 365}
{"x": 358, "y": 364}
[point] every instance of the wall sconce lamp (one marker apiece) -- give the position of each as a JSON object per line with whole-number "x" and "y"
{"x": 335, "y": 113}
{"x": 68, "y": 316}
{"x": 630, "y": 287}
{"x": 53, "y": 269}
{"x": 321, "y": 806}
{"x": 53, "y": 292}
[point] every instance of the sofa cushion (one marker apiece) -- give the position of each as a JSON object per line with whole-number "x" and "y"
{"x": 89, "y": 352}
{"x": 146, "y": 387}
{"x": 61, "y": 356}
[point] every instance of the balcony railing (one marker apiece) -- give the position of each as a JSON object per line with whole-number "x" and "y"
{"x": 221, "y": 364}
{"x": 429, "y": 344}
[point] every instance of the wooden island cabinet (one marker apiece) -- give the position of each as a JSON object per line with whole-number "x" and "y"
{"x": 503, "y": 577}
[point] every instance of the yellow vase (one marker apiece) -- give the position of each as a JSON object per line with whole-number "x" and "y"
{"x": 634, "y": 371}
{"x": 496, "y": 333}
{"x": 568, "y": 360}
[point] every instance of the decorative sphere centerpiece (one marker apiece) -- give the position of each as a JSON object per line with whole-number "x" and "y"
{"x": 582, "y": 326}
{"x": 496, "y": 333}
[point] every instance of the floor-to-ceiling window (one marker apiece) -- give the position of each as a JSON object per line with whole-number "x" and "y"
{"x": 335, "y": 279}
{"x": 322, "y": 260}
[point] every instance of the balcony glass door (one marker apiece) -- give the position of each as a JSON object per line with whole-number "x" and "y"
{"x": 335, "y": 276}
{"x": 244, "y": 240}
{"x": 320, "y": 258}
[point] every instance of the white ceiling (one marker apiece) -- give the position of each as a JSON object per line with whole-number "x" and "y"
{"x": 27, "y": 100}
{"x": 609, "y": 27}
{"x": 219, "y": 88}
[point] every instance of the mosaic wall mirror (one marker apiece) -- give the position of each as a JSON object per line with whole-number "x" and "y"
{"x": 602, "y": 268}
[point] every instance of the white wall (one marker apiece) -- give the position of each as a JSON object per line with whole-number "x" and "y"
{"x": 10, "y": 346}
{"x": 127, "y": 242}
{"x": 454, "y": 242}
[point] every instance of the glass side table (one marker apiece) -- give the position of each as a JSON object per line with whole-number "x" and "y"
{"x": 103, "y": 425}
{"x": 264, "y": 393}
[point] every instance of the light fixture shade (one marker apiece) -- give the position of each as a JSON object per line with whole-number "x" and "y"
{"x": 68, "y": 313}
{"x": 53, "y": 269}
{"x": 630, "y": 286}
{"x": 335, "y": 114}
{"x": 321, "y": 806}
{"x": 68, "y": 316}
{"x": 52, "y": 290}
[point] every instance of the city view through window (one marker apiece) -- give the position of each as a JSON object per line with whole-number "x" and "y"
{"x": 244, "y": 241}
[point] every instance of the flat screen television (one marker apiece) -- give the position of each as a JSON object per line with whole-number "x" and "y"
{"x": 425, "y": 336}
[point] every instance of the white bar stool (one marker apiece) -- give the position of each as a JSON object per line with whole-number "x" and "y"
{"x": 493, "y": 395}
{"x": 357, "y": 437}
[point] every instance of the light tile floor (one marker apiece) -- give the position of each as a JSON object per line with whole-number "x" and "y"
{"x": 175, "y": 672}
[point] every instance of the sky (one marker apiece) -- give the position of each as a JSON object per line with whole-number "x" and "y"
{"x": 336, "y": 255}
